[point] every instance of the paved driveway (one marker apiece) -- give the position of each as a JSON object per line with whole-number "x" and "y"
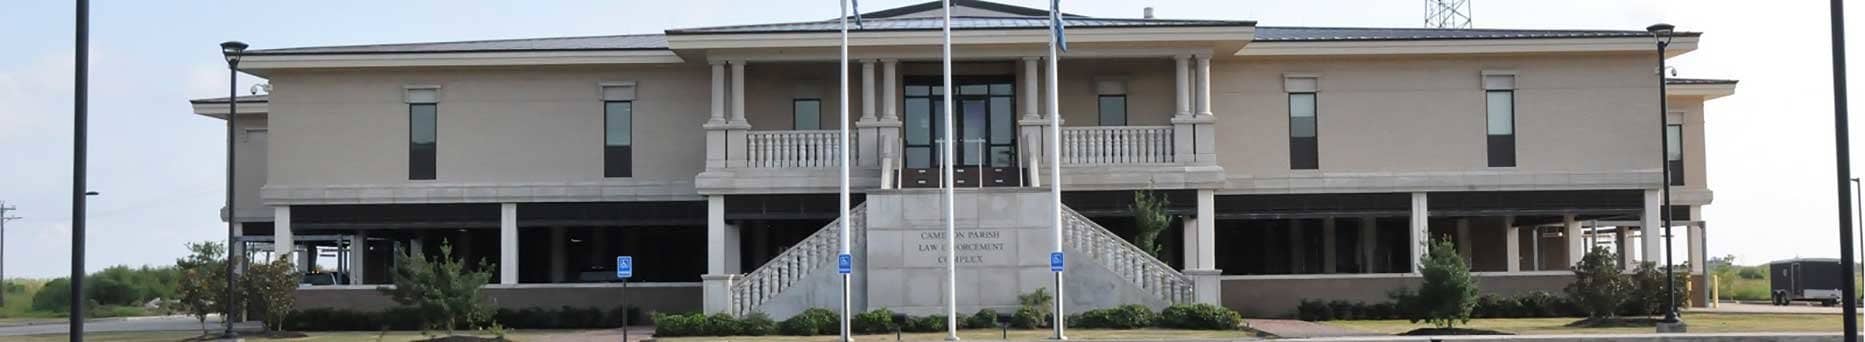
{"x": 1727, "y": 307}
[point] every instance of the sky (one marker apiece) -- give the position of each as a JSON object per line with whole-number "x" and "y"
{"x": 159, "y": 168}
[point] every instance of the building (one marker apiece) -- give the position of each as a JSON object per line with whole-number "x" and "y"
{"x": 1301, "y": 162}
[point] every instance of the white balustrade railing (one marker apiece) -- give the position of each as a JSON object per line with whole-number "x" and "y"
{"x": 1085, "y": 238}
{"x": 1110, "y": 145}
{"x": 815, "y": 253}
{"x": 794, "y": 149}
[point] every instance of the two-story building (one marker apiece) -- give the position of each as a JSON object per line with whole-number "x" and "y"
{"x": 1300, "y": 162}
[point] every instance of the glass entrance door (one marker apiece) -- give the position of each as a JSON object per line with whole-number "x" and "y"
{"x": 987, "y": 132}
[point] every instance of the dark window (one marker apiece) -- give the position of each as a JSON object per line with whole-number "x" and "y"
{"x": 806, "y": 114}
{"x": 1304, "y": 148}
{"x": 422, "y": 137}
{"x": 1674, "y": 152}
{"x": 1113, "y": 110}
{"x": 1501, "y": 131}
{"x": 618, "y": 122}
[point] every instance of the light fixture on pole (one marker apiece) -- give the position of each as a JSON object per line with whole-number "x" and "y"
{"x": 1663, "y": 34}
{"x": 232, "y": 51}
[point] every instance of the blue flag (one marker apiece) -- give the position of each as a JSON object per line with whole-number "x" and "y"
{"x": 1055, "y": 24}
{"x": 856, "y": 5}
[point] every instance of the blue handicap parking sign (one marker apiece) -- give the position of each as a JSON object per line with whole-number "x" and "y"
{"x": 1055, "y": 262}
{"x": 844, "y": 264}
{"x": 624, "y": 267}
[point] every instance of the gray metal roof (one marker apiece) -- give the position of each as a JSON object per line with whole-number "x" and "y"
{"x": 1674, "y": 80}
{"x": 958, "y": 23}
{"x": 619, "y": 42}
{"x": 1313, "y": 34}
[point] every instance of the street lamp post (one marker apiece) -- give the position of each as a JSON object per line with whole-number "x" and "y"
{"x": 1663, "y": 33}
{"x": 232, "y": 51}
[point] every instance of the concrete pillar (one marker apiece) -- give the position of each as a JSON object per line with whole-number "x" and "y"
{"x": 281, "y": 232}
{"x": 1699, "y": 255}
{"x": 508, "y": 243}
{"x": 1622, "y": 240}
{"x": 718, "y": 93}
{"x": 1577, "y": 246}
{"x": 1420, "y": 228}
{"x": 1513, "y": 245}
{"x": 359, "y": 248}
{"x": 1327, "y": 245}
{"x": 1183, "y": 82}
{"x": 1464, "y": 245}
{"x": 1206, "y": 287}
{"x": 1369, "y": 244}
{"x": 559, "y": 253}
{"x": 867, "y": 136}
{"x": 867, "y": 90}
{"x": 1298, "y": 248}
{"x": 1204, "y": 141}
{"x": 1032, "y": 125}
{"x": 1190, "y": 250}
{"x": 1184, "y": 129}
{"x": 887, "y": 130}
{"x": 738, "y": 92}
{"x": 1653, "y": 230}
{"x": 1032, "y": 94}
{"x": 1204, "y": 89}
{"x": 717, "y": 280}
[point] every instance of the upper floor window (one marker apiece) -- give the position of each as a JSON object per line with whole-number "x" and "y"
{"x": 423, "y": 131}
{"x": 1499, "y": 92}
{"x": 1674, "y": 152}
{"x": 1304, "y": 126}
{"x": 618, "y": 122}
{"x": 806, "y": 114}
{"x": 1113, "y": 102}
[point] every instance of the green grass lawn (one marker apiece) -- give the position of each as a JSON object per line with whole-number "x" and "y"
{"x": 331, "y": 336}
{"x": 1699, "y": 322}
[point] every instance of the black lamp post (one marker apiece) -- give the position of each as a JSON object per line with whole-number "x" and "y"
{"x": 80, "y": 113}
{"x": 1663, "y": 33}
{"x": 1842, "y": 157}
{"x": 232, "y": 51}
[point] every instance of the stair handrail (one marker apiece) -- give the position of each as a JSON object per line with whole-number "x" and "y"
{"x": 793, "y": 264}
{"x": 1175, "y": 287}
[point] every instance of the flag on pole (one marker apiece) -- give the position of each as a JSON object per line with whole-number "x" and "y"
{"x": 856, "y": 5}
{"x": 1055, "y": 24}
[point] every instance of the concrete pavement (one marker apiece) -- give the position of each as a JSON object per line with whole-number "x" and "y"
{"x": 151, "y": 323}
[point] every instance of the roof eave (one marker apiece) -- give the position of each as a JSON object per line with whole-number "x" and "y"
{"x": 1708, "y": 91}
{"x": 1238, "y": 32}
{"x": 263, "y": 64}
{"x": 219, "y": 109}
{"x": 1462, "y": 46}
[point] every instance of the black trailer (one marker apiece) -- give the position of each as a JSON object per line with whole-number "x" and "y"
{"x": 1806, "y": 279}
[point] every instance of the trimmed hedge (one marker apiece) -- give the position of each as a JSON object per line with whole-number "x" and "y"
{"x": 1198, "y": 317}
{"x": 1528, "y": 305}
{"x": 410, "y": 319}
{"x": 1129, "y": 316}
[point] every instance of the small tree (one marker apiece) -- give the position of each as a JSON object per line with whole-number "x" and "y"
{"x": 1449, "y": 293}
{"x": 1599, "y": 285}
{"x": 1149, "y": 219}
{"x": 1646, "y": 290}
{"x": 272, "y": 285}
{"x": 441, "y": 289}
{"x": 203, "y": 286}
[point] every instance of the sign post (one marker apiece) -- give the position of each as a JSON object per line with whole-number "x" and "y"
{"x": 624, "y": 269}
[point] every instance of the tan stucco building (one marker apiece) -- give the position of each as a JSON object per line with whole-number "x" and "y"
{"x": 1301, "y": 162}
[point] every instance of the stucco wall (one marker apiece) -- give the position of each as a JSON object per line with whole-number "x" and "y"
{"x": 495, "y": 125}
{"x": 1427, "y": 114}
{"x": 249, "y": 152}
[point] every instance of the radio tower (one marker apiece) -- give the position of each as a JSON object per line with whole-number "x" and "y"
{"x": 1447, "y": 14}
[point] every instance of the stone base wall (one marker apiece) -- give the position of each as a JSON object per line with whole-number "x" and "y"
{"x": 1278, "y": 296}
{"x": 653, "y": 297}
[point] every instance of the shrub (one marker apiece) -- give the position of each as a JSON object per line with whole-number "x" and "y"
{"x": 1131, "y": 316}
{"x": 273, "y": 287}
{"x": 1751, "y": 273}
{"x": 445, "y": 291}
{"x": 985, "y": 318}
{"x": 672, "y": 325}
{"x": 1448, "y": 293}
{"x": 814, "y": 321}
{"x": 878, "y": 321}
{"x": 1344, "y": 310}
{"x": 202, "y": 287}
{"x": 1028, "y": 318}
{"x": 1149, "y": 219}
{"x": 1599, "y": 285}
{"x": 756, "y": 324}
{"x": 1647, "y": 295}
{"x": 933, "y": 323}
{"x": 722, "y": 324}
{"x": 1199, "y": 316}
{"x": 1539, "y": 304}
{"x": 1314, "y": 311}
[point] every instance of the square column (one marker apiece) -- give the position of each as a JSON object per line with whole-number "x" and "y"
{"x": 281, "y": 232}
{"x": 359, "y": 249}
{"x": 1652, "y": 236}
{"x": 1369, "y": 241}
{"x": 508, "y": 243}
{"x": 1327, "y": 245}
{"x": 717, "y": 283}
{"x": 1464, "y": 245}
{"x": 1698, "y": 256}
{"x": 715, "y": 132}
{"x": 1514, "y": 247}
{"x": 1420, "y": 227}
{"x": 1298, "y": 246}
{"x": 1622, "y": 242}
{"x": 1189, "y": 228}
{"x": 1206, "y": 287}
{"x": 558, "y": 254}
{"x": 1576, "y": 244}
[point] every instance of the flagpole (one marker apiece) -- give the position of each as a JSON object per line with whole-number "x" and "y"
{"x": 945, "y": 179}
{"x": 1055, "y": 159}
{"x": 847, "y": 304}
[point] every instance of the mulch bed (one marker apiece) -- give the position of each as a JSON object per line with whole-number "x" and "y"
{"x": 1451, "y": 331}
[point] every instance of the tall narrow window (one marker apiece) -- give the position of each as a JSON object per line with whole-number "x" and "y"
{"x": 806, "y": 114}
{"x": 1674, "y": 152}
{"x": 1500, "y": 94}
{"x": 1113, "y": 102}
{"x": 1304, "y": 128}
{"x": 618, "y": 124}
{"x": 423, "y": 134}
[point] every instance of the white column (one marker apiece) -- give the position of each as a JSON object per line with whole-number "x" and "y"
{"x": 738, "y": 92}
{"x": 1369, "y": 242}
{"x": 1698, "y": 257}
{"x": 1032, "y": 96}
{"x": 718, "y": 93}
{"x": 867, "y": 136}
{"x": 1622, "y": 238}
{"x": 1421, "y": 223}
{"x": 1190, "y": 231}
{"x": 1464, "y": 245}
{"x": 1327, "y": 245}
{"x": 1514, "y": 247}
{"x": 558, "y": 253}
{"x": 1183, "y": 82}
{"x": 508, "y": 243}
{"x": 1204, "y": 86}
{"x": 1206, "y": 287}
{"x": 889, "y": 68}
{"x": 359, "y": 247}
{"x": 717, "y": 283}
{"x": 281, "y": 232}
{"x": 867, "y": 90}
{"x": 1576, "y": 244}
{"x": 1298, "y": 248}
{"x": 1653, "y": 231}
{"x": 733, "y": 242}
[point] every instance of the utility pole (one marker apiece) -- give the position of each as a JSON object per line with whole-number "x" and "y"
{"x": 3, "y": 218}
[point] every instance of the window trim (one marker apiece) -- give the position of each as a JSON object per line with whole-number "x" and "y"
{"x": 1488, "y": 139}
{"x": 1315, "y": 97}
{"x": 433, "y": 170}
{"x": 629, "y": 170}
